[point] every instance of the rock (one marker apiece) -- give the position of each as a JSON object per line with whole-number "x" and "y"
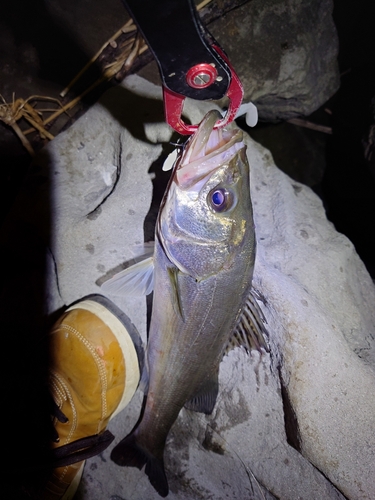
{"x": 322, "y": 320}
{"x": 294, "y": 425}
{"x": 284, "y": 53}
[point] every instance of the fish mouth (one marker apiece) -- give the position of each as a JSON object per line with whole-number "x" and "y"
{"x": 207, "y": 150}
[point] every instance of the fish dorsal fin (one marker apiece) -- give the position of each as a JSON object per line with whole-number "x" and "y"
{"x": 137, "y": 279}
{"x": 204, "y": 400}
{"x": 250, "y": 330}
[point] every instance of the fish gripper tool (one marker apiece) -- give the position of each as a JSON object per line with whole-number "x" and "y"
{"x": 191, "y": 62}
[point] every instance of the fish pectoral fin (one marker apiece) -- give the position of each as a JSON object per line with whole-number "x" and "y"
{"x": 145, "y": 380}
{"x": 250, "y": 330}
{"x": 129, "y": 453}
{"x": 137, "y": 279}
{"x": 175, "y": 298}
{"x": 205, "y": 399}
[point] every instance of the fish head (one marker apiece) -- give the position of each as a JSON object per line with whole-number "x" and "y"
{"x": 205, "y": 224}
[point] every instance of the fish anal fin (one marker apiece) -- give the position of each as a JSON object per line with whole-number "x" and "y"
{"x": 204, "y": 400}
{"x": 250, "y": 330}
{"x": 129, "y": 453}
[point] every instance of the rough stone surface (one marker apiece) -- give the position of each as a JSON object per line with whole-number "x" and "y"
{"x": 319, "y": 308}
{"x": 322, "y": 321}
{"x": 284, "y": 52}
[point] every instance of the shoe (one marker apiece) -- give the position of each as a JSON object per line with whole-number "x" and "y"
{"x": 96, "y": 360}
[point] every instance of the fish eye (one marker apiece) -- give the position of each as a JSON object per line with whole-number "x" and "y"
{"x": 220, "y": 199}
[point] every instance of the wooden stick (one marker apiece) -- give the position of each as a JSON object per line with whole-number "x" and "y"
{"x": 22, "y": 137}
{"x": 313, "y": 126}
{"x": 127, "y": 28}
{"x": 74, "y": 102}
{"x": 40, "y": 128}
{"x": 127, "y": 45}
{"x": 203, "y": 4}
{"x": 69, "y": 105}
{"x": 133, "y": 53}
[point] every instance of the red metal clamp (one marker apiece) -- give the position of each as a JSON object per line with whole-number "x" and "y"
{"x": 202, "y": 76}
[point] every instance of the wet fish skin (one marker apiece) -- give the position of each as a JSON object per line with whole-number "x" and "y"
{"x": 203, "y": 266}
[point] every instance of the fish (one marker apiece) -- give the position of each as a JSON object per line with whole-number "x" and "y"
{"x": 203, "y": 304}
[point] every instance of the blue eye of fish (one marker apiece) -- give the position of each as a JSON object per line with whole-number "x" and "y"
{"x": 220, "y": 199}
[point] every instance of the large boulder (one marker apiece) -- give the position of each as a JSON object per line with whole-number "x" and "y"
{"x": 296, "y": 424}
{"x": 284, "y": 52}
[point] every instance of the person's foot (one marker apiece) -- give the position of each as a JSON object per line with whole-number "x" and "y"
{"x": 96, "y": 360}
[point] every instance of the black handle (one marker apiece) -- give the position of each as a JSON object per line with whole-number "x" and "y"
{"x": 179, "y": 42}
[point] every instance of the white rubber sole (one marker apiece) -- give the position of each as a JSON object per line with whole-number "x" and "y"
{"x": 73, "y": 487}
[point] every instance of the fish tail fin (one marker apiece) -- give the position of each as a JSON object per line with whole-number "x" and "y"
{"x": 129, "y": 453}
{"x": 156, "y": 474}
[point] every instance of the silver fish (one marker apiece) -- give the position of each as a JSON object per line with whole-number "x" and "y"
{"x": 203, "y": 265}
